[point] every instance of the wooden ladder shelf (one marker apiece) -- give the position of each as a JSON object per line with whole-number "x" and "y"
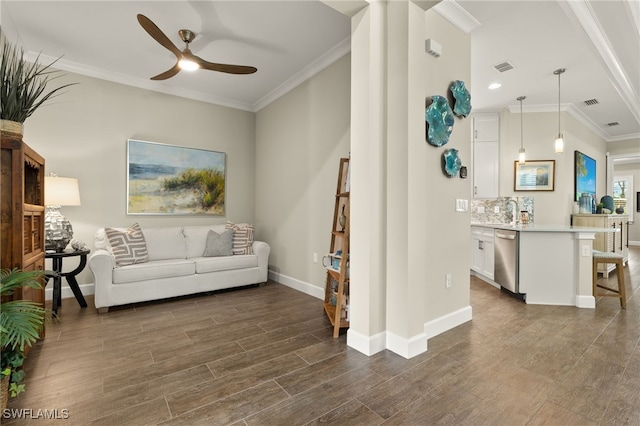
{"x": 336, "y": 294}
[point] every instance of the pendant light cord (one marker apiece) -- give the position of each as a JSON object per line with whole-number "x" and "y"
{"x": 521, "y": 124}
{"x": 521, "y": 98}
{"x": 559, "y": 100}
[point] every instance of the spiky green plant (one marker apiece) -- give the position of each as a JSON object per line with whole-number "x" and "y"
{"x": 208, "y": 185}
{"x": 24, "y": 83}
{"x": 20, "y": 323}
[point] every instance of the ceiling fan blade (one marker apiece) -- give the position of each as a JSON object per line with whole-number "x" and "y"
{"x": 157, "y": 34}
{"x": 167, "y": 74}
{"x": 228, "y": 68}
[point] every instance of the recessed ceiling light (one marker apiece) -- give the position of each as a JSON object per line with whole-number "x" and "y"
{"x": 495, "y": 85}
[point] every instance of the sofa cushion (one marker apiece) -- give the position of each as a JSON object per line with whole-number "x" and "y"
{"x": 225, "y": 263}
{"x": 165, "y": 243}
{"x": 242, "y": 238}
{"x": 101, "y": 240}
{"x": 218, "y": 244}
{"x": 196, "y": 238}
{"x": 152, "y": 270}
{"x": 128, "y": 246}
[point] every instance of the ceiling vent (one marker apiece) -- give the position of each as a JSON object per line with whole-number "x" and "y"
{"x": 590, "y": 102}
{"x": 504, "y": 66}
{"x": 613, "y": 123}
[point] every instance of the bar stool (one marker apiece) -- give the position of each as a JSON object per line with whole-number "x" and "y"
{"x": 608, "y": 257}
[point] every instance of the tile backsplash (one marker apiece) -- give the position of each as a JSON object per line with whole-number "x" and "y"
{"x": 500, "y": 210}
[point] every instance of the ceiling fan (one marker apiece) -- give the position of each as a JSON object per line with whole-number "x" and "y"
{"x": 185, "y": 59}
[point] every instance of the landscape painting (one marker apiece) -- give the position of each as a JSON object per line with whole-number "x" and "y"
{"x": 174, "y": 180}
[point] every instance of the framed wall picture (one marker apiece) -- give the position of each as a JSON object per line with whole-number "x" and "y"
{"x": 585, "y": 176}
{"x": 174, "y": 180}
{"x": 534, "y": 175}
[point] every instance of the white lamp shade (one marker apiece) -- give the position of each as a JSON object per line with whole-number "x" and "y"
{"x": 559, "y": 144}
{"x": 61, "y": 191}
{"x": 522, "y": 157}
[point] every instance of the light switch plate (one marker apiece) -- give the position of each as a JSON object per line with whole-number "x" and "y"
{"x": 462, "y": 205}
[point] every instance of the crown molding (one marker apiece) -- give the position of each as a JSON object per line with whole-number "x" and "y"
{"x": 575, "y": 113}
{"x": 309, "y": 71}
{"x": 141, "y": 83}
{"x": 584, "y": 14}
{"x": 454, "y": 13}
{"x": 335, "y": 53}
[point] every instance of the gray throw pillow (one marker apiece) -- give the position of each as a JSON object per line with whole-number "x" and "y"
{"x": 219, "y": 244}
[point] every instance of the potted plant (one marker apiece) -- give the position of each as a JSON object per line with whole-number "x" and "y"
{"x": 24, "y": 86}
{"x": 20, "y": 325}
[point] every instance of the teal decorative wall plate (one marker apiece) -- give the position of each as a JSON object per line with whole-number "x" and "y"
{"x": 462, "y": 104}
{"x": 439, "y": 118}
{"x": 452, "y": 162}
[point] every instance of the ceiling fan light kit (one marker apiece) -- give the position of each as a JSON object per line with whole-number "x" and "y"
{"x": 188, "y": 65}
{"x": 185, "y": 59}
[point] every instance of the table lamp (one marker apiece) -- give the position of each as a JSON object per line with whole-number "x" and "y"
{"x": 58, "y": 192}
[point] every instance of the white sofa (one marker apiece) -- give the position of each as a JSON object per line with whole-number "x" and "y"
{"x": 175, "y": 267}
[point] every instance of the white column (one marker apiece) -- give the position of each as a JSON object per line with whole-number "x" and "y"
{"x": 584, "y": 269}
{"x": 368, "y": 180}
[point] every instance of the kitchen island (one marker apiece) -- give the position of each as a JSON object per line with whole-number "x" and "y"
{"x": 554, "y": 265}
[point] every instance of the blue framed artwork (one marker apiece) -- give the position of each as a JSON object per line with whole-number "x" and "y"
{"x": 539, "y": 175}
{"x": 585, "y": 176}
{"x": 174, "y": 180}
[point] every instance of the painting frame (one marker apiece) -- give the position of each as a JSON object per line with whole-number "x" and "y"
{"x": 165, "y": 179}
{"x": 538, "y": 175}
{"x": 585, "y": 173}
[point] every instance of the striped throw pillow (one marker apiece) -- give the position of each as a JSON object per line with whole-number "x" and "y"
{"x": 242, "y": 238}
{"x": 128, "y": 246}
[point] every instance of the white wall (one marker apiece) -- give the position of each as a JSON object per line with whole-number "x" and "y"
{"x": 447, "y": 243}
{"x": 628, "y": 148}
{"x": 83, "y": 134}
{"x": 300, "y": 139}
{"x": 406, "y": 234}
{"x": 632, "y": 170}
{"x": 540, "y": 130}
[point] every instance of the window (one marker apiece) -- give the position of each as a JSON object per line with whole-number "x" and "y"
{"x": 622, "y": 194}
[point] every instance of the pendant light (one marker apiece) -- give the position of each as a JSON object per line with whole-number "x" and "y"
{"x": 521, "y": 154}
{"x": 559, "y": 139}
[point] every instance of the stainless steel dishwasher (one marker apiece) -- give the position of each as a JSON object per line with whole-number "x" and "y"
{"x": 506, "y": 259}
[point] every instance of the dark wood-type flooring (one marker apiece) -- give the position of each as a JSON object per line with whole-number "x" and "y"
{"x": 265, "y": 356}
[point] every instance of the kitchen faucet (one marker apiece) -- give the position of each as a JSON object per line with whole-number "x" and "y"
{"x": 514, "y": 212}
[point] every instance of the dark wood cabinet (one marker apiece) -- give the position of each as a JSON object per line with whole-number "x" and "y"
{"x": 22, "y": 211}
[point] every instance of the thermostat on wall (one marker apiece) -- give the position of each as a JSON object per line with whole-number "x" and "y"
{"x": 433, "y": 48}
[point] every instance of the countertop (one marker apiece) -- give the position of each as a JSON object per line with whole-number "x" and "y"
{"x": 543, "y": 228}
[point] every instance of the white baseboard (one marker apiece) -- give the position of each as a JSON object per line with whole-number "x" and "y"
{"x": 368, "y": 345}
{"x": 447, "y": 322}
{"x": 407, "y": 348}
{"x": 296, "y": 284}
{"x": 586, "y": 302}
{"x": 86, "y": 289}
{"x": 634, "y": 243}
